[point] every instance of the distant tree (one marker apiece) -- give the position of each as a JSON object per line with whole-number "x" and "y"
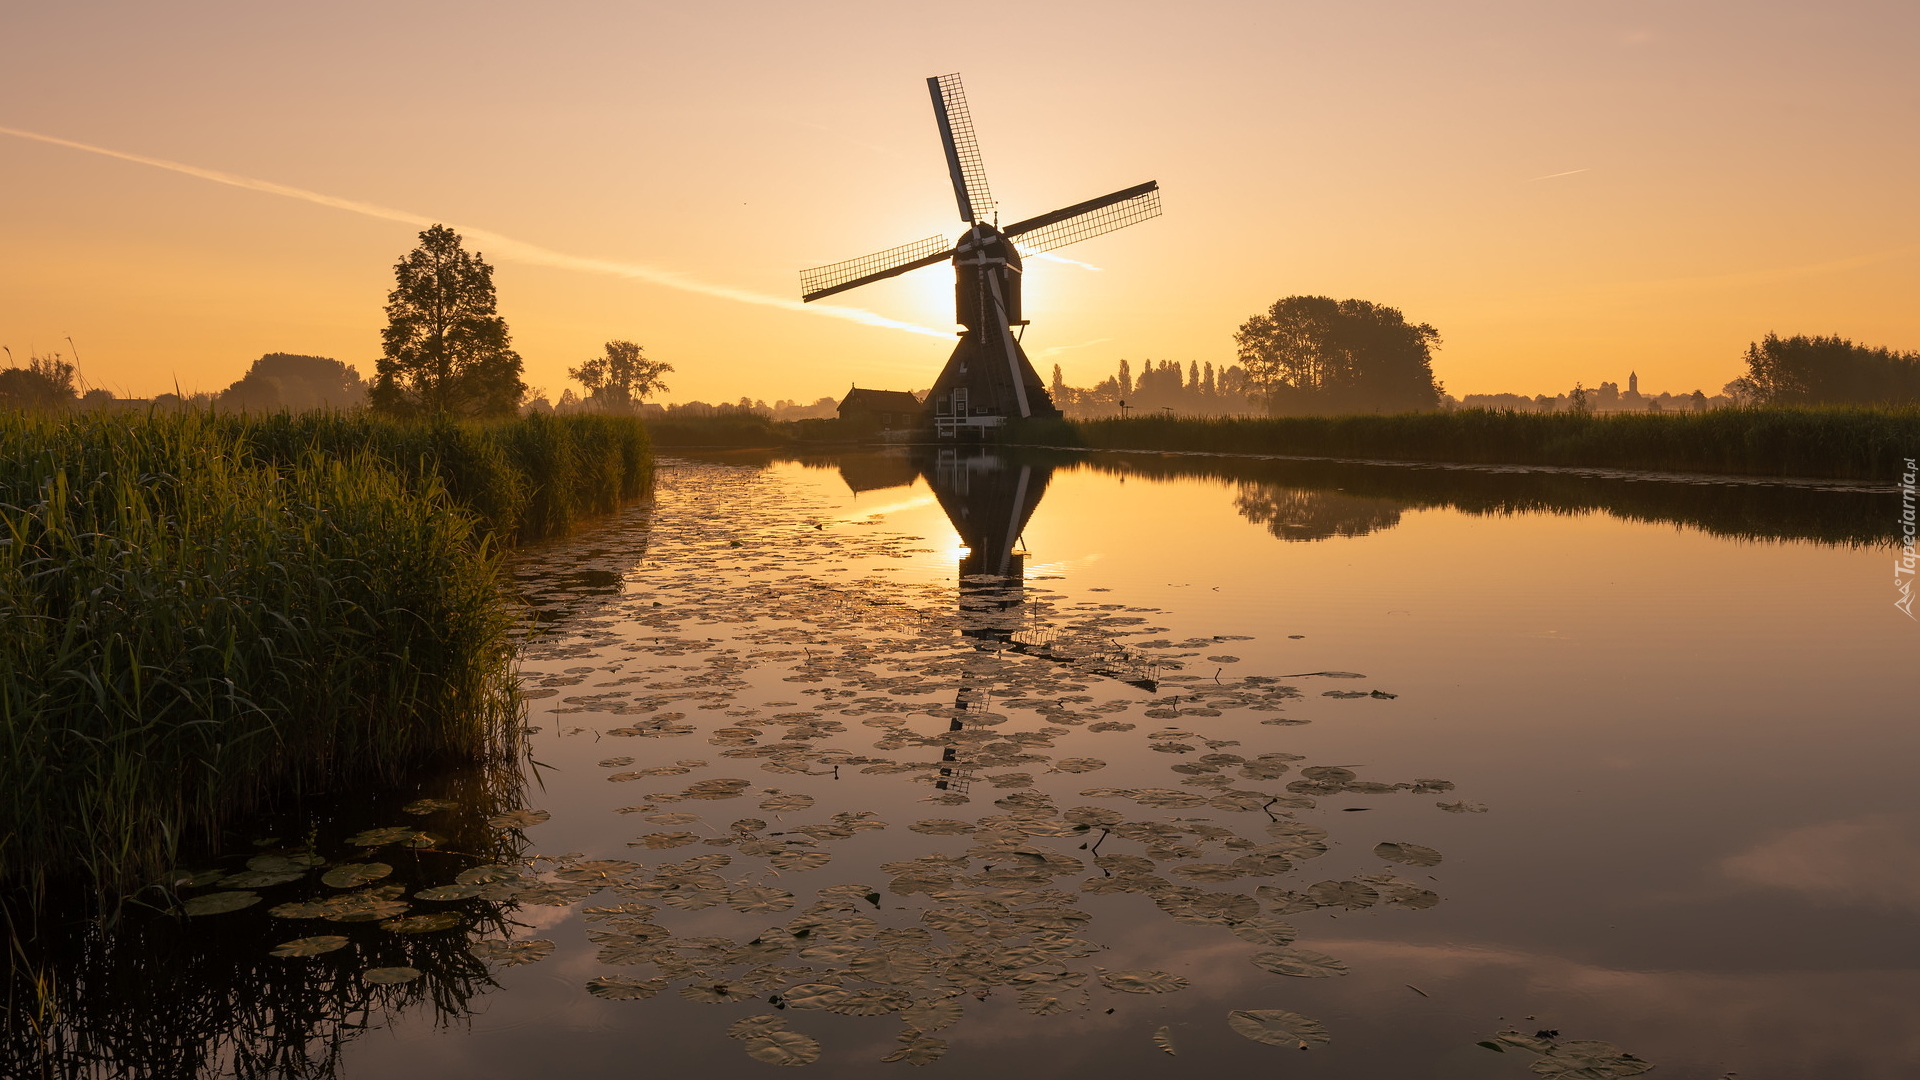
{"x": 97, "y": 398}
{"x": 1699, "y": 400}
{"x": 1580, "y": 400}
{"x": 622, "y": 377}
{"x": 295, "y": 383}
{"x": 1314, "y": 354}
{"x": 46, "y": 383}
{"x": 1126, "y": 379}
{"x": 1803, "y": 370}
{"x": 445, "y": 349}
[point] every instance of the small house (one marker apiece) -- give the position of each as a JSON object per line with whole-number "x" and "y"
{"x": 887, "y": 410}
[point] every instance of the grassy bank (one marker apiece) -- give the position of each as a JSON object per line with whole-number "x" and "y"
{"x": 1830, "y": 443}
{"x": 204, "y": 611}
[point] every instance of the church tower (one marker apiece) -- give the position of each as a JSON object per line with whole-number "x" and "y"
{"x": 1633, "y": 382}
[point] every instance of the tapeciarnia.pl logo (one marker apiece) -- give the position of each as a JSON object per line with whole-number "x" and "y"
{"x": 1904, "y": 565}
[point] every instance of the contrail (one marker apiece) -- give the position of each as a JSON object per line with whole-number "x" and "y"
{"x": 1556, "y": 176}
{"x": 501, "y": 246}
{"x": 1051, "y": 257}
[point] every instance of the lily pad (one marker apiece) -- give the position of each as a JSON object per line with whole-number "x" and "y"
{"x": 1142, "y": 981}
{"x": 1351, "y": 895}
{"x": 1163, "y": 1039}
{"x": 352, "y": 875}
{"x": 219, "y": 903}
{"x": 388, "y": 976}
{"x": 1277, "y": 1027}
{"x": 518, "y": 819}
{"x": 783, "y": 1048}
{"x": 1408, "y": 854}
{"x": 618, "y": 988}
{"x": 428, "y": 806}
{"x": 310, "y": 946}
{"x": 756, "y": 899}
{"x": 1299, "y": 963}
{"x": 756, "y": 1025}
{"x": 930, "y": 1016}
{"x": 421, "y": 924}
{"x": 511, "y": 953}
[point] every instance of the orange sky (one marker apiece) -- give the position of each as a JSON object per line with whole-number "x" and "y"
{"x": 1567, "y": 191}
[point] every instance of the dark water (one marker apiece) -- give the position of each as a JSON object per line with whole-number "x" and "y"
{"x": 839, "y": 741}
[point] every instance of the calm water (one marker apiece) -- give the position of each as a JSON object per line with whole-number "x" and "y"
{"x": 838, "y": 743}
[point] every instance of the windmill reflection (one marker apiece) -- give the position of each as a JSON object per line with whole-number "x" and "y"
{"x": 989, "y": 498}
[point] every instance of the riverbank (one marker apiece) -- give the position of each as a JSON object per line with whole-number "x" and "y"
{"x": 204, "y": 611}
{"x": 1823, "y": 443}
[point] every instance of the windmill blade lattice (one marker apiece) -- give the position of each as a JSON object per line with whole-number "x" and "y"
{"x": 963, "y": 150}
{"x": 1088, "y": 219}
{"x": 841, "y": 276}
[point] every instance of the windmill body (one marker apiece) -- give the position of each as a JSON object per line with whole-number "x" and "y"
{"x": 988, "y": 380}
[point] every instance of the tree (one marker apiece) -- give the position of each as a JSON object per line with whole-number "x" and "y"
{"x": 1803, "y": 370}
{"x": 1314, "y": 354}
{"x": 621, "y": 378}
{"x": 295, "y": 383}
{"x": 445, "y": 350}
{"x": 45, "y": 383}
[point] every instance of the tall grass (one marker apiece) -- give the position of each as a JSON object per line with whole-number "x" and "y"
{"x": 1841, "y": 443}
{"x": 206, "y": 611}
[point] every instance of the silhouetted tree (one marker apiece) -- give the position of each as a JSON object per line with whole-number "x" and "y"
{"x": 295, "y": 383}
{"x": 1315, "y": 354}
{"x": 445, "y": 349}
{"x": 1803, "y": 370}
{"x": 622, "y": 377}
{"x": 45, "y": 383}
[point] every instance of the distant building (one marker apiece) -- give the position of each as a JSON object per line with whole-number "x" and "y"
{"x": 1633, "y": 382}
{"x": 884, "y": 409}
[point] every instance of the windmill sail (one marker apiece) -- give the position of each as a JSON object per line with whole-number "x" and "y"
{"x": 963, "y": 150}
{"x": 841, "y": 276}
{"x": 1075, "y": 223}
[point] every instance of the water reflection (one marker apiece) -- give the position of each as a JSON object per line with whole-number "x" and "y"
{"x": 1312, "y": 500}
{"x": 160, "y": 994}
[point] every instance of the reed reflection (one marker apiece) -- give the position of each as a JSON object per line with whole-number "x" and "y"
{"x": 155, "y": 992}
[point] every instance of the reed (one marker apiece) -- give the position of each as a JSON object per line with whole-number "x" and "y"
{"x": 204, "y": 612}
{"x": 1835, "y": 442}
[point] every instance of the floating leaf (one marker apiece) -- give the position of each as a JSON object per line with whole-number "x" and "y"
{"x": 931, "y": 1016}
{"x": 812, "y": 995}
{"x": 310, "y": 946}
{"x": 783, "y": 1048}
{"x": 942, "y": 827}
{"x": 1163, "y": 1039}
{"x": 617, "y": 988}
{"x": 1408, "y": 854}
{"x": 1351, "y": 895}
{"x": 511, "y": 953}
{"x": 1264, "y": 931}
{"x": 717, "y": 993}
{"x": 1078, "y": 765}
{"x": 450, "y": 892}
{"x": 219, "y": 903}
{"x": 1142, "y": 981}
{"x": 380, "y": 837}
{"x": 1299, "y": 963}
{"x": 759, "y": 898}
{"x": 799, "y": 860}
{"x": 919, "y": 1050}
{"x": 351, "y": 875}
{"x": 261, "y": 879}
{"x": 518, "y": 819}
{"x": 756, "y": 1025}
{"x": 387, "y": 976}
{"x": 1277, "y": 1027}
{"x": 421, "y": 924}
{"x": 661, "y": 841}
{"x": 428, "y": 806}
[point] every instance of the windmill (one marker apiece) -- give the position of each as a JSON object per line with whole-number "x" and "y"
{"x": 989, "y": 378}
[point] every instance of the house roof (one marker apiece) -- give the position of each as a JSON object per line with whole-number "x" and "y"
{"x": 880, "y": 401}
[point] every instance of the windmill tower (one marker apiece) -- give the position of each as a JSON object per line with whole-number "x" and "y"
{"x": 988, "y": 379}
